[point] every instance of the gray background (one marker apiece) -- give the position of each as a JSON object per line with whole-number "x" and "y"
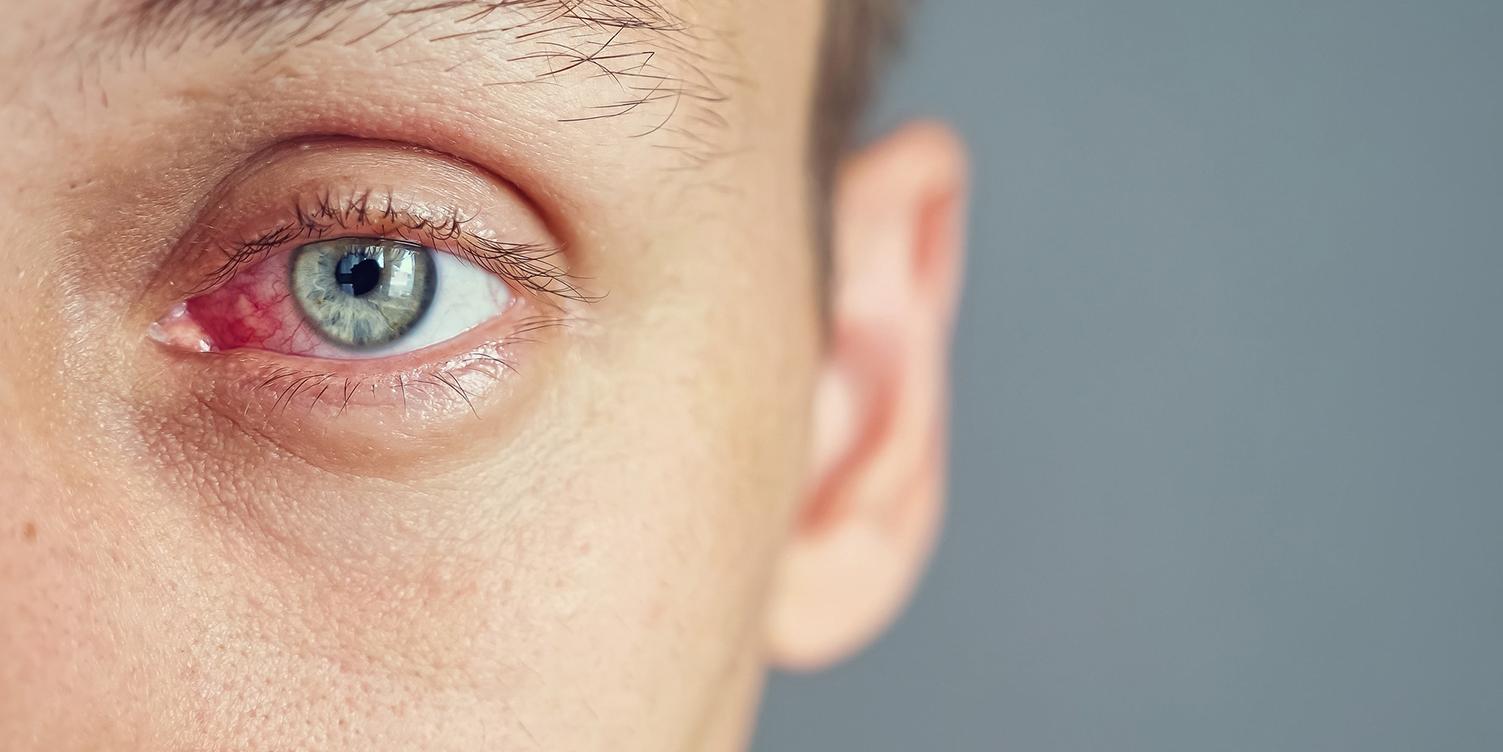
{"x": 1228, "y": 459}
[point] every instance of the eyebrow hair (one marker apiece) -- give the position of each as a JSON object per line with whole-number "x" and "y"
{"x": 666, "y": 70}
{"x": 171, "y": 23}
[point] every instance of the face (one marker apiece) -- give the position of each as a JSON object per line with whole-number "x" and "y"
{"x": 393, "y": 375}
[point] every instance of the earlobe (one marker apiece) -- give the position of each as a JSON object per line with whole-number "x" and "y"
{"x": 876, "y": 484}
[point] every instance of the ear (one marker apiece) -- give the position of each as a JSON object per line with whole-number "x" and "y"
{"x": 875, "y": 496}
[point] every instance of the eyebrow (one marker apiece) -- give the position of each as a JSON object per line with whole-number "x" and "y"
{"x": 171, "y": 23}
{"x": 665, "y": 69}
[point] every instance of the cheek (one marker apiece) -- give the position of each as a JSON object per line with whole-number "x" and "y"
{"x": 254, "y": 310}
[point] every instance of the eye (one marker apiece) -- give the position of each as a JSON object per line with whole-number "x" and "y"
{"x": 349, "y": 298}
{"x": 355, "y": 275}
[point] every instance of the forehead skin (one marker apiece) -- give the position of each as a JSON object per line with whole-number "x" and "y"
{"x": 581, "y": 564}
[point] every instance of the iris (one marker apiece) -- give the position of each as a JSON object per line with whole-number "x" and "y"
{"x": 363, "y": 293}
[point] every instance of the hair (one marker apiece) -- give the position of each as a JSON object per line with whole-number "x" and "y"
{"x": 859, "y": 38}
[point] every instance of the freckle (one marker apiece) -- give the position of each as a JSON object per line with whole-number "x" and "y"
{"x": 29, "y": 532}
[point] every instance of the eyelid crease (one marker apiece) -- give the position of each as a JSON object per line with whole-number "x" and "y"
{"x": 367, "y": 213}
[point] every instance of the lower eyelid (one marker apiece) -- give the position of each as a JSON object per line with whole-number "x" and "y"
{"x": 319, "y": 410}
{"x": 427, "y": 389}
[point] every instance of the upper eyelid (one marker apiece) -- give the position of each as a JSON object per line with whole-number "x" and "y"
{"x": 327, "y": 216}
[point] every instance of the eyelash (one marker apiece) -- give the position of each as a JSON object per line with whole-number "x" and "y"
{"x": 288, "y": 382}
{"x": 527, "y": 267}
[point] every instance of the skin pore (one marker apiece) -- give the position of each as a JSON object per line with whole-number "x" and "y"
{"x": 676, "y": 456}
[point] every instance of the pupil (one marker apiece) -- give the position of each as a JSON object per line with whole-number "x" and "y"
{"x": 358, "y": 274}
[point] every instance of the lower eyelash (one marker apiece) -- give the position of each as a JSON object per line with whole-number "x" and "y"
{"x": 306, "y": 389}
{"x": 290, "y": 383}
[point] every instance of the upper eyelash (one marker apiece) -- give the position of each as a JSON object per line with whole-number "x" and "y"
{"x": 523, "y": 264}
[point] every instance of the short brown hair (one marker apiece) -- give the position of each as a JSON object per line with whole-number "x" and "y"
{"x": 859, "y": 37}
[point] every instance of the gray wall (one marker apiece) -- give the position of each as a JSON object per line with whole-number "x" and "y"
{"x": 1228, "y": 458}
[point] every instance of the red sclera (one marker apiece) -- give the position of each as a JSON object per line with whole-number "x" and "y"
{"x": 256, "y": 310}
